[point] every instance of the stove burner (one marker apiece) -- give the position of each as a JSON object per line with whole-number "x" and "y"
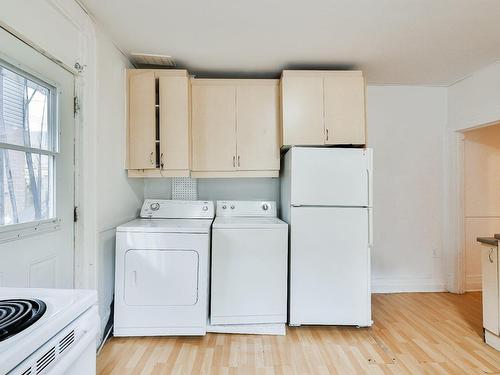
{"x": 18, "y": 314}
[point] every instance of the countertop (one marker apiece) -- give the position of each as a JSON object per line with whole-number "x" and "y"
{"x": 489, "y": 240}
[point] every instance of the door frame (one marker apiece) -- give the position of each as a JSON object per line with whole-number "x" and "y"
{"x": 454, "y": 208}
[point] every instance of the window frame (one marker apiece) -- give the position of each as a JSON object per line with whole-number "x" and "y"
{"x": 15, "y": 231}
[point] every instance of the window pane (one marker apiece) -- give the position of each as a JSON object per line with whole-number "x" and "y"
{"x": 25, "y": 187}
{"x": 24, "y": 111}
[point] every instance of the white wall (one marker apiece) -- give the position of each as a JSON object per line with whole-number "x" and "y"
{"x": 405, "y": 129}
{"x": 220, "y": 188}
{"x": 118, "y": 197}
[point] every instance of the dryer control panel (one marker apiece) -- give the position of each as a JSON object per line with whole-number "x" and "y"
{"x": 174, "y": 209}
{"x": 247, "y": 208}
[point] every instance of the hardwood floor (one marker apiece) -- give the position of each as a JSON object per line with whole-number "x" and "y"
{"x": 417, "y": 333}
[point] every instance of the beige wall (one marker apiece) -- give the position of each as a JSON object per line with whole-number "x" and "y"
{"x": 482, "y": 195}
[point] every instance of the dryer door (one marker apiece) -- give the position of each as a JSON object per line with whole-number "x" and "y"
{"x": 161, "y": 277}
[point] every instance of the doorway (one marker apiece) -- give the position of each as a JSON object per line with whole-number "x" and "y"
{"x": 37, "y": 135}
{"x": 481, "y": 156}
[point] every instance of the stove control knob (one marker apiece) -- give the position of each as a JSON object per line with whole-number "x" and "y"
{"x": 154, "y": 206}
{"x": 205, "y": 208}
{"x": 265, "y": 206}
{"x": 224, "y": 207}
{"x": 232, "y": 207}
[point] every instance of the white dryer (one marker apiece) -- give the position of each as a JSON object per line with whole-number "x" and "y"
{"x": 162, "y": 270}
{"x": 249, "y": 269}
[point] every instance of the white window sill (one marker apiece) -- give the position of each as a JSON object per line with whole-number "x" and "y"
{"x": 17, "y": 231}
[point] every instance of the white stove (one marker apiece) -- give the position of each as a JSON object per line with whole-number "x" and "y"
{"x": 62, "y": 340}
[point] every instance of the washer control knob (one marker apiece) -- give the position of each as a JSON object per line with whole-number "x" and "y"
{"x": 232, "y": 207}
{"x": 205, "y": 208}
{"x": 224, "y": 207}
{"x": 265, "y": 206}
{"x": 154, "y": 206}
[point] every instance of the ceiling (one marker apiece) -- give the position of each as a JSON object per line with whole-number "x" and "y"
{"x": 422, "y": 42}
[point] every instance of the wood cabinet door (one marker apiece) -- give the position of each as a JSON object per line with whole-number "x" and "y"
{"x": 257, "y": 126}
{"x": 142, "y": 121}
{"x": 344, "y": 101}
{"x": 213, "y": 124}
{"x": 174, "y": 123}
{"x": 489, "y": 266}
{"x": 302, "y": 106}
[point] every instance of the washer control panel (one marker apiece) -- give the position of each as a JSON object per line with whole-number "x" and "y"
{"x": 174, "y": 209}
{"x": 247, "y": 208}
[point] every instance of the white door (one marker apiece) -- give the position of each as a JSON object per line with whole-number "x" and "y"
{"x": 161, "y": 277}
{"x": 36, "y": 168}
{"x": 329, "y": 266}
{"x": 330, "y": 177}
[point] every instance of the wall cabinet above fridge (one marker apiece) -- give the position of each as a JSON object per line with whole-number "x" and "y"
{"x": 323, "y": 108}
{"x": 158, "y": 123}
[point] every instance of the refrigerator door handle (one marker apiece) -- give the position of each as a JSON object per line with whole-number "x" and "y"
{"x": 370, "y": 228}
{"x": 369, "y": 187}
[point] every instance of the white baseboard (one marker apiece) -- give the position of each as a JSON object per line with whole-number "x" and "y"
{"x": 407, "y": 285}
{"x": 473, "y": 283}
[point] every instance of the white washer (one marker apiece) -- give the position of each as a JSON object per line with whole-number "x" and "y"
{"x": 162, "y": 270}
{"x": 249, "y": 268}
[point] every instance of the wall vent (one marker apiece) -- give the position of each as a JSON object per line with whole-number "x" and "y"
{"x": 152, "y": 59}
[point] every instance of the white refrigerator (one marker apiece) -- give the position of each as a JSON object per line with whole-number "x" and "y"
{"x": 326, "y": 198}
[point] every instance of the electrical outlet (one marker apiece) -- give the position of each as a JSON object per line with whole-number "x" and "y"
{"x": 436, "y": 253}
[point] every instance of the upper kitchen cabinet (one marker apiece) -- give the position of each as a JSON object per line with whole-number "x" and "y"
{"x": 213, "y": 123}
{"x": 257, "y": 123}
{"x": 302, "y": 105}
{"x": 235, "y": 128}
{"x": 159, "y": 123}
{"x": 141, "y": 120}
{"x": 344, "y": 106}
{"x": 323, "y": 108}
{"x": 175, "y": 142}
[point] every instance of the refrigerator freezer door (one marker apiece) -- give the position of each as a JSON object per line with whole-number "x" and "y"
{"x": 330, "y": 177}
{"x": 330, "y": 266}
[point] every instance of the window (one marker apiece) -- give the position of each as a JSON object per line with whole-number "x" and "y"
{"x": 28, "y": 147}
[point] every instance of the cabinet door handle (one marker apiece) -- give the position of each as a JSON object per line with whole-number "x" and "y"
{"x": 234, "y": 161}
{"x": 327, "y": 134}
{"x": 161, "y": 161}
{"x": 489, "y": 255}
{"x": 151, "y": 157}
{"x": 238, "y": 160}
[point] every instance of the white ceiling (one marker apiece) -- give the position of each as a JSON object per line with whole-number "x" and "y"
{"x": 424, "y": 42}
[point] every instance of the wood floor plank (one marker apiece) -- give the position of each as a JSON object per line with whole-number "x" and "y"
{"x": 413, "y": 333}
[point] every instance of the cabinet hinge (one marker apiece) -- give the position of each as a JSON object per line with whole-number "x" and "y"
{"x": 76, "y": 105}
{"x": 76, "y": 214}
